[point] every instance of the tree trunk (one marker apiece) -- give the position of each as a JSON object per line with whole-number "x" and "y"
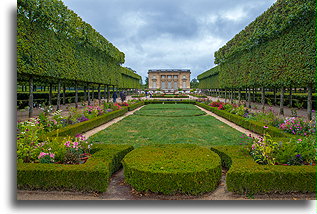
{"x": 99, "y": 95}
{"x": 253, "y": 93}
{"x": 31, "y": 97}
{"x": 249, "y": 98}
{"x": 64, "y": 94}
{"x": 104, "y": 92}
{"x": 85, "y": 93}
{"x": 88, "y": 94}
{"x": 275, "y": 98}
{"x": 50, "y": 94}
{"x": 108, "y": 93}
{"x": 225, "y": 95}
{"x": 58, "y": 95}
{"x": 290, "y": 97}
{"x": 282, "y": 102}
{"x": 76, "y": 95}
{"x": 263, "y": 98}
{"x": 239, "y": 96}
{"x": 93, "y": 94}
{"x": 309, "y": 101}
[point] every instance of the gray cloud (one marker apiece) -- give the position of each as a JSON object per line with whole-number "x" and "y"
{"x": 169, "y": 33}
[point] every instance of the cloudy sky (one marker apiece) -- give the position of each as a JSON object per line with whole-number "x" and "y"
{"x": 166, "y": 34}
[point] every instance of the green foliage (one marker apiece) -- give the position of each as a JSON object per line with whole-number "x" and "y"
{"x": 247, "y": 177}
{"x": 82, "y": 127}
{"x": 171, "y": 169}
{"x": 55, "y": 43}
{"x": 275, "y": 50}
{"x": 253, "y": 126}
{"x": 169, "y": 102}
{"x": 94, "y": 175}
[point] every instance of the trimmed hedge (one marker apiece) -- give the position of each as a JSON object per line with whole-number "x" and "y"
{"x": 246, "y": 176}
{"x": 93, "y": 175}
{"x": 173, "y": 168}
{"x": 135, "y": 105}
{"x": 169, "y": 102}
{"x": 170, "y": 96}
{"x": 250, "y": 125}
{"x": 79, "y": 128}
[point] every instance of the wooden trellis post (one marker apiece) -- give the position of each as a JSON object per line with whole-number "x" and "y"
{"x": 31, "y": 96}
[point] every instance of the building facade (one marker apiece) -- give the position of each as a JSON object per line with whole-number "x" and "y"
{"x": 169, "y": 80}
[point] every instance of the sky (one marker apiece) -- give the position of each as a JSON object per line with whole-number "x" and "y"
{"x": 168, "y": 34}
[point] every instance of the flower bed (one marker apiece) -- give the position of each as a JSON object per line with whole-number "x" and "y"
{"x": 253, "y": 126}
{"x": 94, "y": 175}
{"x": 85, "y": 126}
{"x": 288, "y": 151}
{"x": 174, "y": 168}
{"x": 246, "y": 176}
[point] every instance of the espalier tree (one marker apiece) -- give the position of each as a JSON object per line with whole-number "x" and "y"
{"x": 275, "y": 51}
{"x": 56, "y": 47}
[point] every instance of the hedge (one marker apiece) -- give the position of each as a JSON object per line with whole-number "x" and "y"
{"x": 93, "y": 175}
{"x": 247, "y": 124}
{"x": 135, "y": 105}
{"x": 173, "y": 168}
{"x": 85, "y": 126}
{"x": 246, "y": 176}
{"x": 169, "y": 102}
{"x": 170, "y": 96}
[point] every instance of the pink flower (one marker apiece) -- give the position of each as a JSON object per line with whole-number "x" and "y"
{"x": 300, "y": 140}
{"x": 52, "y": 155}
{"x": 265, "y": 127}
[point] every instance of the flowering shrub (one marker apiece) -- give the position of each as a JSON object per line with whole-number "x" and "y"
{"x": 218, "y": 104}
{"x": 293, "y": 152}
{"x": 91, "y": 112}
{"x": 298, "y": 126}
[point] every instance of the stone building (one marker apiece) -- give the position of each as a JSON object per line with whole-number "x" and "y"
{"x": 169, "y": 80}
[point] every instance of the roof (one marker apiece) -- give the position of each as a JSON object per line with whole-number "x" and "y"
{"x": 169, "y": 70}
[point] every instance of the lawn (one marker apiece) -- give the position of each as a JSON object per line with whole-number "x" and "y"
{"x": 139, "y": 130}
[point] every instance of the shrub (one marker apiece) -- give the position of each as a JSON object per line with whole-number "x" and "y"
{"x": 246, "y": 176}
{"x": 253, "y": 126}
{"x": 298, "y": 126}
{"x": 169, "y": 169}
{"x": 287, "y": 151}
{"x": 135, "y": 105}
{"x": 79, "y": 128}
{"x": 94, "y": 175}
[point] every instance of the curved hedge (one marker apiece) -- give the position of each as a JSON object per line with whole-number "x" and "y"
{"x": 173, "y": 168}
{"x": 170, "y": 112}
{"x": 246, "y": 176}
{"x": 93, "y": 175}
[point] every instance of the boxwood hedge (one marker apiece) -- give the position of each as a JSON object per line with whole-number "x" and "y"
{"x": 246, "y": 176}
{"x": 169, "y": 101}
{"x": 93, "y": 175}
{"x": 250, "y": 125}
{"x": 135, "y": 105}
{"x": 85, "y": 126}
{"x": 172, "y": 168}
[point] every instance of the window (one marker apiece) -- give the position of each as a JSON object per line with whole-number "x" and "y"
{"x": 169, "y": 76}
{"x": 175, "y": 76}
{"x": 163, "y": 85}
{"x": 163, "y": 76}
{"x": 154, "y": 77}
{"x": 175, "y": 85}
{"x": 169, "y": 85}
{"x": 154, "y": 84}
{"x": 184, "y": 76}
{"x": 184, "y": 84}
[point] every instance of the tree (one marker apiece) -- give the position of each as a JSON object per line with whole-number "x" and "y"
{"x": 194, "y": 83}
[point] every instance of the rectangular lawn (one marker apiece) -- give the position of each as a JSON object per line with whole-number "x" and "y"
{"x": 166, "y": 125}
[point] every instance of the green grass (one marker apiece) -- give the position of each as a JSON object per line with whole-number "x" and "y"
{"x": 146, "y": 130}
